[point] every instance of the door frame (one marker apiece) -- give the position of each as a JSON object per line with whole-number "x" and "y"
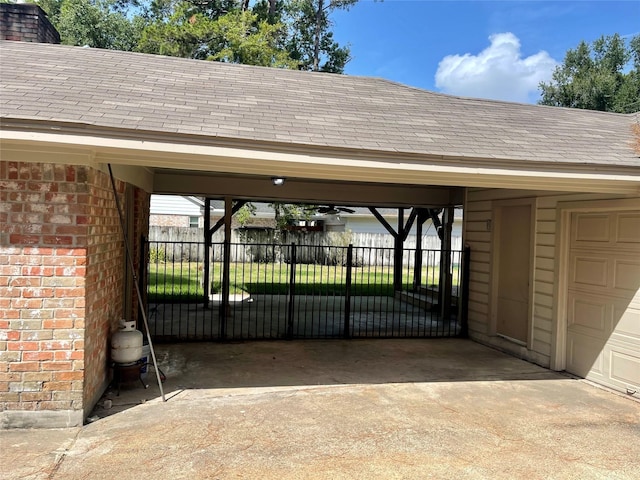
{"x": 496, "y": 208}
{"x": 558, "y": 360}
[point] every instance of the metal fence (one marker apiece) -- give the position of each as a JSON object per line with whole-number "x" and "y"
{"x": 292, "y": 291}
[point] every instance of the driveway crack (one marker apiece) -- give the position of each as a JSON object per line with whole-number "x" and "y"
{"x": 60, "y": 456}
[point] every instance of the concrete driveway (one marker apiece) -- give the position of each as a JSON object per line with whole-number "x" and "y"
{"x": 343, "y": 410}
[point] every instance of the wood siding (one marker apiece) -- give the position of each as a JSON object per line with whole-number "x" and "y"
{"x": 478, "y": 226}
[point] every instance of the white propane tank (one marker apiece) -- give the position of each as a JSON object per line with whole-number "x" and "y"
{"x": 126, "y": 343}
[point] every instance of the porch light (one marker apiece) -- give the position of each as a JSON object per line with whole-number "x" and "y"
{"x": 277, "y": 181}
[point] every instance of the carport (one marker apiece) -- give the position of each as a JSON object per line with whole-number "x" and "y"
{"x": 425, "y": 305}
{"x": 170, "y": 125}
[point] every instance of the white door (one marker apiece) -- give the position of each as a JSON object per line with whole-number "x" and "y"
{"x": 603, "y": 298}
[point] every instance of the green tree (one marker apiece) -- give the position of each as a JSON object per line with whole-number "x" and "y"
{"x": 311, "y": 39}
{"x": 602, "y": 76}
{"x": 286, "y": 214}
{"x": 234, "y": 37}
{"x": 96, "y": 23}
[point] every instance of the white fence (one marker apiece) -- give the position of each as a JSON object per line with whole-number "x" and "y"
{"x": 179, "y": 243}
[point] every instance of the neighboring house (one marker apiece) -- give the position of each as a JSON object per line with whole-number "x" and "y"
{"x": 188, "y": 211}
{"x": 551, "y": 201}
{"x": 176, "y": 211}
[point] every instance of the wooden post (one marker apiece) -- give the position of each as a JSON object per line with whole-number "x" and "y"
{"x": 417, "y": 264}
{"x": 347, "y": 297}
{"x": 398, "y": 250}
{"x": 445, "y": 264}
{"x": 207, "y": 252}
{"x": 225, "y": 306}
{"x": 292, "y": 291}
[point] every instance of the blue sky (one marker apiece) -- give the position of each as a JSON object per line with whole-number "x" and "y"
{"x": 491, "y": 49}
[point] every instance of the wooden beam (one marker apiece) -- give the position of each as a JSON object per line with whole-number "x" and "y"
{"x": 383, "y": 221}
{"x": 407, "y": 227}
{"x": 237, "y": 206}
{"x": 294, "y": 190}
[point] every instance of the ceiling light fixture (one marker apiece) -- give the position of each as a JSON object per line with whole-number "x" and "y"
{"x": 277, "y": 181}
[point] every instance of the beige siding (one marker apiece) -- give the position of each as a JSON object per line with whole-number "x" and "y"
{"x": 477, "y": 234}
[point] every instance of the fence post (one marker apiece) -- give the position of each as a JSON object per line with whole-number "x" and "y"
{"x": 347, "y": 296}
{"x": 464, "y": 315}
{"x": 292, "y": 291}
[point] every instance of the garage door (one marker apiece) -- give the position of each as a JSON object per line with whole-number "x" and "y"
{"x": 603, "y": 310}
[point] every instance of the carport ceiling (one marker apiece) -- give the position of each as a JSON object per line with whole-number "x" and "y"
{"x": 261, "y": 188}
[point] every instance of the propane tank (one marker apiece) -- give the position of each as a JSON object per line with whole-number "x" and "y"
{"x": 126, "y": 343}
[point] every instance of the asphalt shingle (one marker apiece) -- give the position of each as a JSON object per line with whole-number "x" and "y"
{"x": 163, "y": 94}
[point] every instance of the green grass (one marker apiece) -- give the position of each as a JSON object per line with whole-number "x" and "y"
{"x": 182, "y": 282}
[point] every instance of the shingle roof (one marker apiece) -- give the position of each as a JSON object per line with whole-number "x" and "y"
{"x": 162, "y": 94}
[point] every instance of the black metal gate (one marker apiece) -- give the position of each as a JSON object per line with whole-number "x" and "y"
{"x": 304, "y": 291}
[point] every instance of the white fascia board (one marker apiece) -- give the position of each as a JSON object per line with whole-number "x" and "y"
{"x": 367, "y": 167}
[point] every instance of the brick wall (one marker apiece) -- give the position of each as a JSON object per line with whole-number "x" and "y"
{"x": 104, "y": 282}
{"x": 169, "y": 220}
{"x": 26, "y": 22}
{"x": 61, "y": 285}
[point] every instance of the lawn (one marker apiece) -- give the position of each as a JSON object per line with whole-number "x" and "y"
{"x": 182, "y": 282}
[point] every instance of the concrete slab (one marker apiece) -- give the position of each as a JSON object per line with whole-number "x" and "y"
{"x": 359, "y": 409}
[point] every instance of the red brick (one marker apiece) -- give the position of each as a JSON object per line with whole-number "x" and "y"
{"x": 56, "y": 386}
{"x": 74, "y": 252}
{"x": 58, "y": 366}
{"x": 38, "y": 292}
{"x": 57, "y": 240}
{"x": 58, "y": 260}
{"x": 63, "y": 292}
{"x": 37, "y": 251}
{"x": 66, "y": 323}
{"x": 38, "y": 271}
{"x": 71, "y": 230}
{"x": 66, "y": 198}
{"x": 70, "y": 271}
{"x": 42, "y": 186}
{"x": 37, "y": 356}
{"x": 12, "y": 335}
{"x": 68, "y": 355}
{"x": 24, "y": 239}
{"x": 60, "y": 376}
{"x": 23, "y": 346}
{"x": 24, "y": 366}
{"x": 26, "y": 303}
{"x": 10, "y": 292}
{"x": 58, "y": 345}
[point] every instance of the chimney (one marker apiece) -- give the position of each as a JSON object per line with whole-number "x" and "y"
{"x": 26, "y": 22}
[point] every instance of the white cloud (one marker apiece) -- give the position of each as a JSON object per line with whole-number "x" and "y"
{"x": 498, "y": 72}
